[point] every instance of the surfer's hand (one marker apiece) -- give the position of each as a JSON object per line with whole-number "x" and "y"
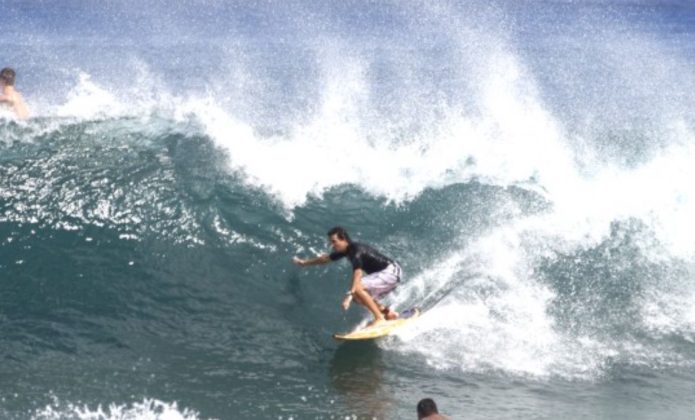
{"x": 298, "y": 261}
{"x": 346, "y": 302}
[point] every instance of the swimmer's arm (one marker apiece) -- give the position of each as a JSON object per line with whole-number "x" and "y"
{"x": 320, "y": 260}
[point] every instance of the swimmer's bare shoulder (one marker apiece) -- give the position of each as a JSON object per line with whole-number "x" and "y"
{"x": 17, "y": 103}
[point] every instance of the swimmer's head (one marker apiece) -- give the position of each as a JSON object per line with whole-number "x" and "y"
{"x": 7, "y": 76}
{"x": 426, "y": 407}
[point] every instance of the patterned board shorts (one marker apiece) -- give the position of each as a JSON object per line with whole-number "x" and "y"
{"x": 380, "y": 283}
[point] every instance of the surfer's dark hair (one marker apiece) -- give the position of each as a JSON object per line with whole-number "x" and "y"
{"x": 426, "y": 407}
{"x": 340, "y": 232}
{"x": 7, "y": 75}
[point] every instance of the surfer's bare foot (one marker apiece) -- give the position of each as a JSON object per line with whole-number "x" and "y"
{"x": 376, "y": 322}
{"x": 389, "y": 313}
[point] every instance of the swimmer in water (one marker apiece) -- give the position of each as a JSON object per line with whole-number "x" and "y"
{"x": 10, "y": 96}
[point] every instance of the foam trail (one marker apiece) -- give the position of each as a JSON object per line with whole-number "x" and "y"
{"x": 494, "y": 319}
{"x": 498, "y": 309}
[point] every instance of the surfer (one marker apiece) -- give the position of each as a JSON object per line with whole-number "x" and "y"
{"x": 373, "y": 274}
{"x": 10, "y": 95}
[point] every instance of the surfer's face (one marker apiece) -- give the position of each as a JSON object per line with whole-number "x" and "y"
{"x": 340, "y": 245}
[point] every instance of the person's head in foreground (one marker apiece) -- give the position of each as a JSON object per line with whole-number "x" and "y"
{"x": 427, "y": 409}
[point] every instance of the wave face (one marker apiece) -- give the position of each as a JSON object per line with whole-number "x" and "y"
{"x": 529, "y": 164}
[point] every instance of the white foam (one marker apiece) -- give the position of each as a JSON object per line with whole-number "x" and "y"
{"x": 498, "y": 318}
{"x": 507, "y": 143}
{"x": 148, "y": 409}
{"x": 88, "y": 100}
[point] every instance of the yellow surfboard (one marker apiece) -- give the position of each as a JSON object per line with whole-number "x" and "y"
{"x": 381, "y": 330}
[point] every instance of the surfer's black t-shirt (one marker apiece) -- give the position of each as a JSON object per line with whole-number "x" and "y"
{"x": 363, "y": 257}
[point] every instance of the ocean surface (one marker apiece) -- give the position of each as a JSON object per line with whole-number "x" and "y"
{"x": 529, "y": 163}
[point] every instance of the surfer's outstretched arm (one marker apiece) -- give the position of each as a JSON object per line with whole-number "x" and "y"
{"x": 323, "y": 259}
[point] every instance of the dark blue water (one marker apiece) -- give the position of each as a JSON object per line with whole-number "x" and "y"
{"x": 529, "y": 164}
